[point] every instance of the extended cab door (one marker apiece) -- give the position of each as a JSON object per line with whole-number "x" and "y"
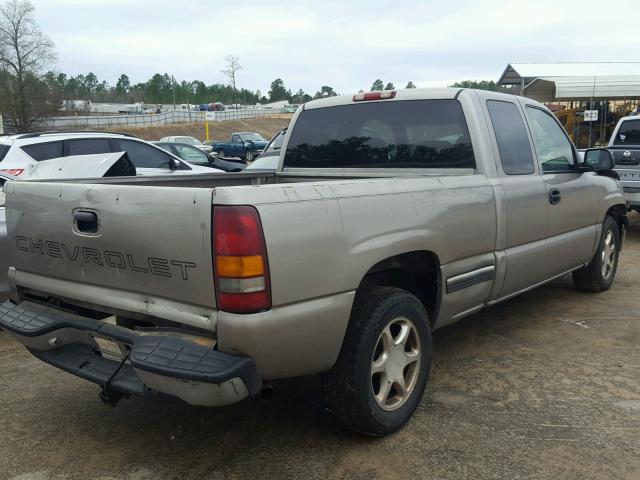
{"x": 525, "y": 198}
{"x": 572, "y": 196}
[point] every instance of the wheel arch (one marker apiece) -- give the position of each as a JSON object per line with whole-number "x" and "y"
{"x": 619, "y": 214}
{"x": 416, "y": 271}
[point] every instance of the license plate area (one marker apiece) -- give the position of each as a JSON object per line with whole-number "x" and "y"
{"x": 629, "y": 175}
{"x": 109, "y": 349}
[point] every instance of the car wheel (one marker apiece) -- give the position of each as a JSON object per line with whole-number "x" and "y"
{"x": 221, "y": 153}
{"x": 384, "y": 364}
{"x": 248, "y": 157}
{"x": 599, "y": 274}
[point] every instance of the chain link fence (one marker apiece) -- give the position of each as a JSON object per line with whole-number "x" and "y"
{"x": 141, "y": 120}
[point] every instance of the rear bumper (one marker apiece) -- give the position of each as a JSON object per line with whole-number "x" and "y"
{"x": 172, "y": 363}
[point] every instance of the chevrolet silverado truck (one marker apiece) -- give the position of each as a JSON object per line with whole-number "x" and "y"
{"x": 246, "y": 145}
{"x": 391, "y": 214}
{"x": 625, "y": 147}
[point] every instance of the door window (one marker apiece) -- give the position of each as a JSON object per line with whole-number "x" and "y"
{"x": 143, "y": 155}
{"x": 554, "y": 149}
{"x": 89, "y": 146}
{"x": 511, "y": 135}
{"x": 192, "y": 154}
{"x": 44, "y": 151}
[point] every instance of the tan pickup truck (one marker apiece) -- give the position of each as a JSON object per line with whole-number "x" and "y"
{"x": 391, "y": 214}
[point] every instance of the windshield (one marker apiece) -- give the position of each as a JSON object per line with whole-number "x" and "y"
{"x": 188, "y": 140}
{"x": 399, "y": 134}
{"x": 253, "y": 137}
{"x": 629, "y": 133}
{"x": 276, "y": 142}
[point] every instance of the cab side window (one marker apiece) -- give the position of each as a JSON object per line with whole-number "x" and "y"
{"x": 512, "y": 138}
{"x": 236, "y": 139}
{"x": 554, "y": 149}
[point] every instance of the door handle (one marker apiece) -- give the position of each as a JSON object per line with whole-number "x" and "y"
{"x": 554, "y": 196}
{"x": 86, "y": 221}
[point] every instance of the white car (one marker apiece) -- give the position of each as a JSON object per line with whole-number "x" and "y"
{"x": 22, "y": 152}
{"x": 189, "y": 141}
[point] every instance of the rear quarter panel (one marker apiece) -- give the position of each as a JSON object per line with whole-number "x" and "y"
{"x": 322, "y": 238}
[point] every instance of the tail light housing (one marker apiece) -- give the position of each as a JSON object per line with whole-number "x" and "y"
{"x": 240, "y": 266}
{"x": 13, "y": 171}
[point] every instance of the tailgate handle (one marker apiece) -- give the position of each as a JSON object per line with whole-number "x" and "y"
{"x": 86, "y": 221}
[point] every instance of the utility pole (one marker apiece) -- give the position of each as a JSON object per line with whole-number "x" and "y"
{"x": 173, "y": 86}
{"x": 593, "y": 92}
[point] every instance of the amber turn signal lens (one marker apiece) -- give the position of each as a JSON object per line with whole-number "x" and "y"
{"x": 239, "y": 266}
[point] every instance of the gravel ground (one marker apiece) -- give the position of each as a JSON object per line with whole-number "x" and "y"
{"x": 546, "y": 385}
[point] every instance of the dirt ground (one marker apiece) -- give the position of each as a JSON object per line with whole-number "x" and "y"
{"x": 546, "y": 385}
{"x": 219, "y": 131}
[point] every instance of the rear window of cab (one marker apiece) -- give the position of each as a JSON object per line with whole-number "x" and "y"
{"x": 398, "y": 134}
{"x": 629, "y": 133}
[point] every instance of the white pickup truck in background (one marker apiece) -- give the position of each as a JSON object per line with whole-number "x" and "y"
{"x": 625, "y": 148}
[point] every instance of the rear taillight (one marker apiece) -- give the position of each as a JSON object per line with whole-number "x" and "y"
{"x": 13, "y": 171}
{"x": 240, "y": 268}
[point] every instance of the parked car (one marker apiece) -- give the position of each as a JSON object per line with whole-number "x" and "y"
{"x": 211, "y": 107}
{"x": 22, "y": 152}
{"x": 188, "y": 141}
{"x": 195, "y": 156}
{"x": 625, "y": 147}
{"x": 391, "y": 214}
{"x": 268, "y": 159}
{"x": 246, "y": 145}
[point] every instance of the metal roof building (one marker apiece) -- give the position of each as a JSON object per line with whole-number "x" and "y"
{"x": 548, "y": 82}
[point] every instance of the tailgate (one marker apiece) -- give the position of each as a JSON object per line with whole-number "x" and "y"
{"x": 150, "y": 245}
{"x": 627, "y": 164}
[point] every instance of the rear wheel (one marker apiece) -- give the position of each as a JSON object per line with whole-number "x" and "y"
{"x": 248, "y": 157}
{"x": 382, "y": 370}
{"x": 599, "y": 274}
{"x": 221, "y": 153}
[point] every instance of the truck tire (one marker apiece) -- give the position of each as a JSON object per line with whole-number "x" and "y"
{"x": 599, "y": 274}
{"x": 384, "y": 364}
{"x": 221, "y": 152}
{"x": 248, "y": 157}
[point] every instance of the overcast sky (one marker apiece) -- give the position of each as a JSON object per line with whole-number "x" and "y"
{"x": 344, "y": 44}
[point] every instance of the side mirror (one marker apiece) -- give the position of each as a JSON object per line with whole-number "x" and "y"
{"x": 598, "y": 160}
